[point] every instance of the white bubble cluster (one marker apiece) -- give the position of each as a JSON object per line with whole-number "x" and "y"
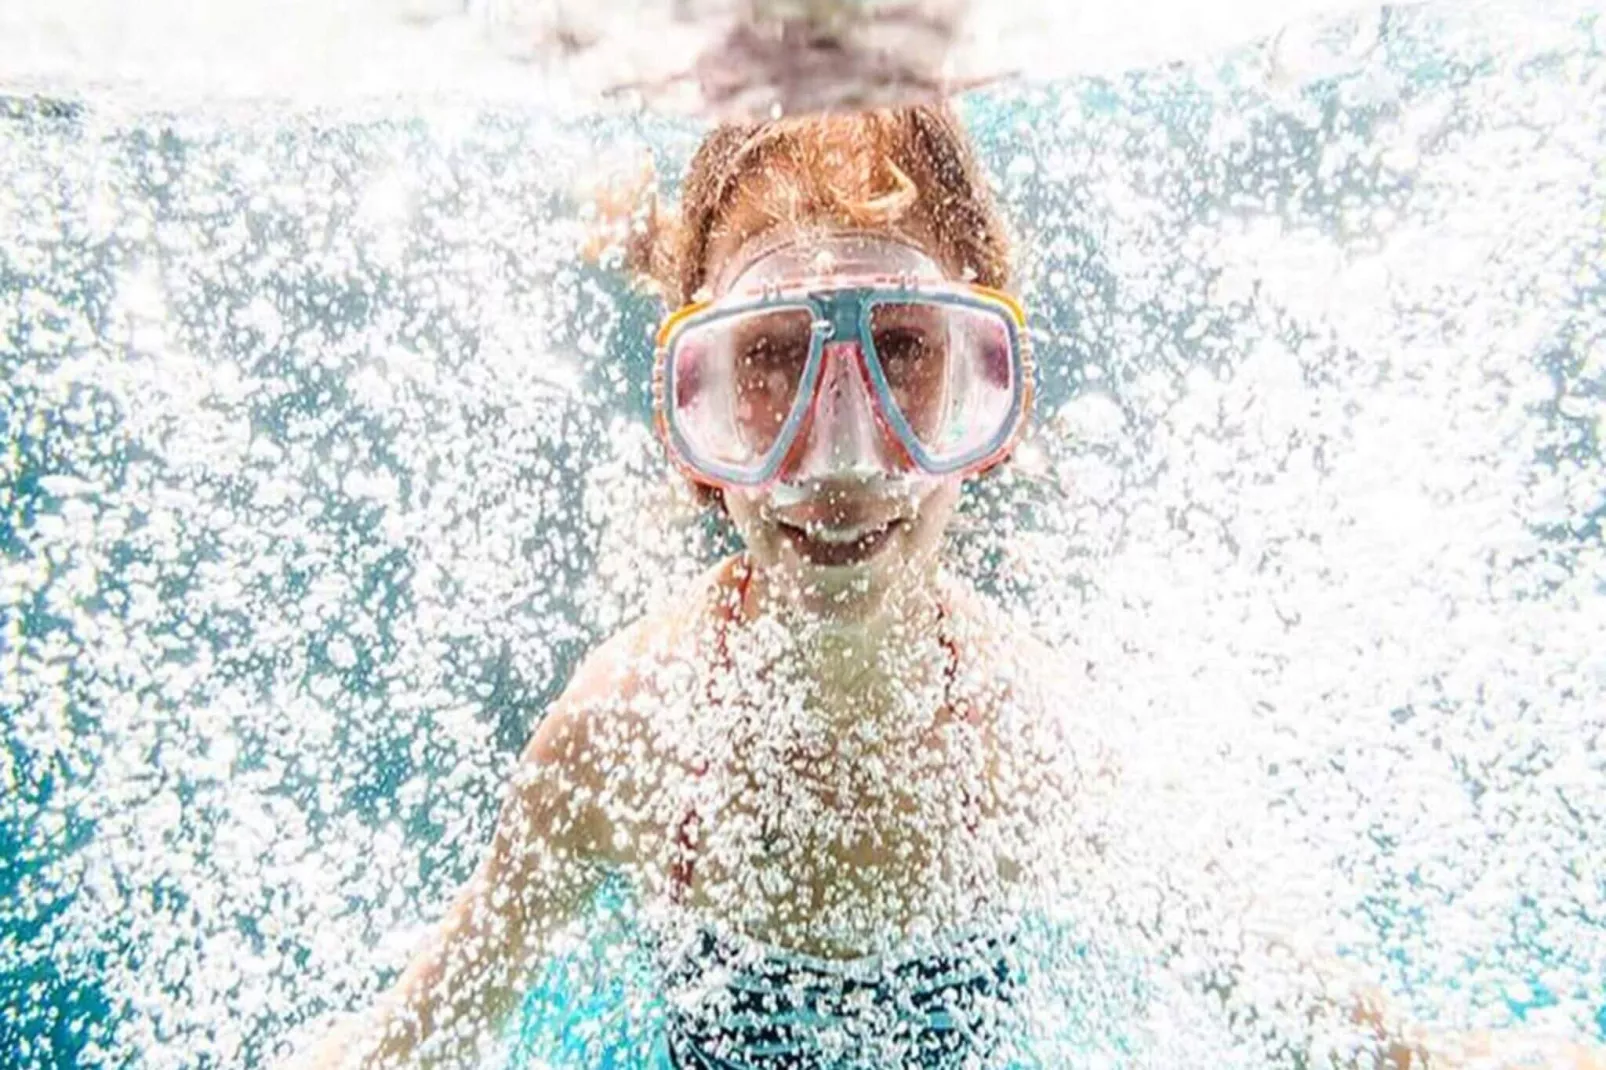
{"x": 327, "y": 459}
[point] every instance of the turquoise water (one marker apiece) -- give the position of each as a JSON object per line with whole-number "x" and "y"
{"x": 327, "y": 460}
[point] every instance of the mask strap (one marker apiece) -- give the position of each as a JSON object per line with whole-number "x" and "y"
{"x": 841, "y": 242}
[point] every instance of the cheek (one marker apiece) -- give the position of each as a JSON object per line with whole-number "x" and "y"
{"x": 936, "y": 512}
{"x": 746, "y": 515}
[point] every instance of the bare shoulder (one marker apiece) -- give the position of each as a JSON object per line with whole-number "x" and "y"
{"x": 1044, "y": 693}
{"x": 597, "y": 749}
{"x": 1014, "y": 657}
{"x": 621, "y": 683}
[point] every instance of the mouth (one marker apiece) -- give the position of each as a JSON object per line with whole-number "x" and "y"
{"x": 835, "y": 547}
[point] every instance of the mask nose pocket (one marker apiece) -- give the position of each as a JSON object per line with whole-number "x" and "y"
{"x": 844, "y": 438}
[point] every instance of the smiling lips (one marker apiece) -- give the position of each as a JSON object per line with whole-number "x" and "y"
{"x": 830, "y": 546}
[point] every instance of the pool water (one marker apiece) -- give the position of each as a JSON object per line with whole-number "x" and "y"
{"x": 327, "y": 459}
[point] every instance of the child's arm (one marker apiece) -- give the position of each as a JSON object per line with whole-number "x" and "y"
{"x": 551, "y": 849}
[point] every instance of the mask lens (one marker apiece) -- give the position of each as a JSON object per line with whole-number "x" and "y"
{"x": 950, "y": 372}
{"x": 912, "y": 344}
{"x": 734, "y": 383}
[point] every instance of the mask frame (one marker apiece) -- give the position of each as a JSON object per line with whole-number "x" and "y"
{"x": 843, "y": 313}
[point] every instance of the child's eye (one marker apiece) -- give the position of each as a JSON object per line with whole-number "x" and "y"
{"x": 902, "y": 348}
{"x": 769, "y": 352}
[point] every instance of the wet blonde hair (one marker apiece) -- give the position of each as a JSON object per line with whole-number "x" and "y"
{"x": 911, "y": 170}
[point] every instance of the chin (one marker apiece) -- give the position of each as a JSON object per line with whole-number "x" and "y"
{"x": 841, "y": 593}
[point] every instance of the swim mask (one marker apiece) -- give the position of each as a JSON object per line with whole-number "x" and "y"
{"x": 845, "y": 356}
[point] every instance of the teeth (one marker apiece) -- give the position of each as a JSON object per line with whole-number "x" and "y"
{"x": 840, "y": 536}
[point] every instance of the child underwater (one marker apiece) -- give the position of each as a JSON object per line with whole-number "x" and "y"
{"x": 833, "y": 774}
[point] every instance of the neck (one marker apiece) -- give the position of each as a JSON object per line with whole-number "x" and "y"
{"x": 857, "y": 664}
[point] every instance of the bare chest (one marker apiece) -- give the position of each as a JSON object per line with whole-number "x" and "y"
{"x": 824, "y": 841}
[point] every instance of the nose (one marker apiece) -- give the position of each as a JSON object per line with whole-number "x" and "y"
{"x": 842, "y": 439}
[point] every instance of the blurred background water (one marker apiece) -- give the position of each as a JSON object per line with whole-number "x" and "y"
{"x": 326, "y": 457}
